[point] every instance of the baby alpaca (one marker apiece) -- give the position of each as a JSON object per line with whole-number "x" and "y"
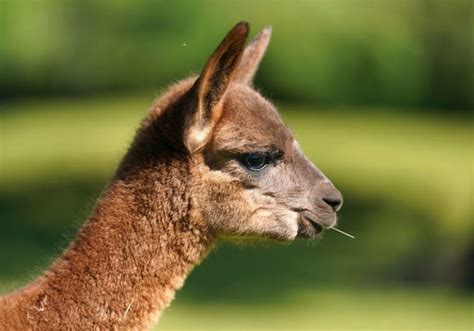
{"x": 212, "y": 159}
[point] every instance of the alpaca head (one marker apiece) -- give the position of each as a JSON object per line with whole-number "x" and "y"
{"x": 249, "y": 175}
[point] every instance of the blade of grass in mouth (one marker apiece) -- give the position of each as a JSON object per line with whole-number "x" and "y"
{"x": 344, "y": 233}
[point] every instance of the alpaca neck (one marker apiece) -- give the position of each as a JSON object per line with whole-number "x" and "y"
{"x": 128, "y": 260}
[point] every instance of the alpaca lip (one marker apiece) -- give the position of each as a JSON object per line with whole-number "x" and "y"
{"x": 309, "y": 226}
{"x": 313, "y": 220}
{"x": 316, "y": 226}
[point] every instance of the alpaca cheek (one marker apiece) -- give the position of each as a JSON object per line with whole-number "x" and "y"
{"x": 275, "y": 223}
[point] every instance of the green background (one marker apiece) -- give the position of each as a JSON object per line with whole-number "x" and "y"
{"x": 379, "y": 94}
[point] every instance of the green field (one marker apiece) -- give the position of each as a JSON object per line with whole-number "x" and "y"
{"x": 331, "y": 309}
{"x": 407, "y": 180}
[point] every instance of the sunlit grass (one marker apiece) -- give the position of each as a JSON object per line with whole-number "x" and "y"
{"x": 330, "y": 309}
{"x": 416, "y": 161}
{"x": 63, "y": 138}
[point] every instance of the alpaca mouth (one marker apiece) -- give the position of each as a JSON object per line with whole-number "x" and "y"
{"x": 309, "y": 226}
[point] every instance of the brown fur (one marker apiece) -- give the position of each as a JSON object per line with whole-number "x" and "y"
{"x": 181, "y": 184}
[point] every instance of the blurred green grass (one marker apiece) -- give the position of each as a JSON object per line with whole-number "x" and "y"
{"x": 331, "y": 309}
{"x": 407, "y": 179}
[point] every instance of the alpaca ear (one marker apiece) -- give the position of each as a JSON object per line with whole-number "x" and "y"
{"x": 211, "y": 86}
{"x": 253, "y": 56}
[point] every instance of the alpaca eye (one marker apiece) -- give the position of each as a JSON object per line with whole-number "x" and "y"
{"x": 255, "y": 161}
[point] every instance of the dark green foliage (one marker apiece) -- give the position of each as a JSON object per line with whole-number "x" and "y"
{"x": 392, "y": 53}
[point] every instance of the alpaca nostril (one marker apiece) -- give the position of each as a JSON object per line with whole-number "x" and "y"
{"x": 334, "y": 201}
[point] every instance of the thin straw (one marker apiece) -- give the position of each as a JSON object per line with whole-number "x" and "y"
{"x": 344, "y": 233}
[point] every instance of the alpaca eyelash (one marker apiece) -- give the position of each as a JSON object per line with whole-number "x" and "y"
{"x": 275, "y": 155}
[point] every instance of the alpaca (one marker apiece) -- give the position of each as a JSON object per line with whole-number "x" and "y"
{"x": 211, "y": 159}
